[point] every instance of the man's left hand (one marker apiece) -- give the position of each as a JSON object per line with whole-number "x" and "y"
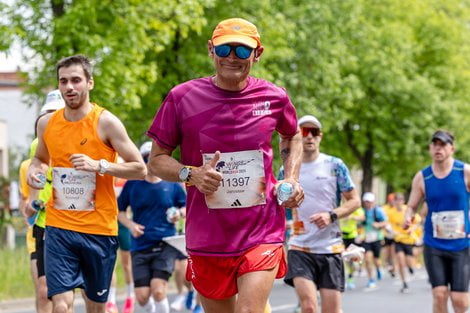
{"x": 297, "y": 196}
{"x": 322, "y": 219}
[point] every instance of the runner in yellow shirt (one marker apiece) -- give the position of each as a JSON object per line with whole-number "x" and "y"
{"x": 388, "y": 250}
{"x": 37, "y": 219}
{"x": 350, "y": 235}
{"x": 404, "y": 239}
{"x": 30, "y": 242}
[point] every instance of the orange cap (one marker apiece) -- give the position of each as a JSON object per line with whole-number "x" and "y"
{"x": 236, "y": 30}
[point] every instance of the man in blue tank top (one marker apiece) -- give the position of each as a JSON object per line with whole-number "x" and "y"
{"x": 444, "y": 185}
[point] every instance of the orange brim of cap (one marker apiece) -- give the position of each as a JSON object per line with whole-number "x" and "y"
{"x": 244, "y": 40}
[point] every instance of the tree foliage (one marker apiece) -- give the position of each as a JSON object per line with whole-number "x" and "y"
{"x": 6, "y": 33}
{"x": 124, "y": 37}
{"x": 381, "y": 75}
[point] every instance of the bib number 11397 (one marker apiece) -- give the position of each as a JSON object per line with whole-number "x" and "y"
{"x": 243, "y": 180}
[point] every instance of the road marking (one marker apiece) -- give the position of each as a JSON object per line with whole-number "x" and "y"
{"x": 283, "y": 307}
{"x": 371, "y": 289}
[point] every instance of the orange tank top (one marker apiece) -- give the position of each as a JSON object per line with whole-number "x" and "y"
{"x": 64, "y": 138}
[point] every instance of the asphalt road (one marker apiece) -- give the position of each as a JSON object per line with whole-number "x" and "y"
{"x": 386, "y": 298}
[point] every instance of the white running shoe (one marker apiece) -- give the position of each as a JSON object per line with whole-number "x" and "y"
{"x": 178, "y": 303}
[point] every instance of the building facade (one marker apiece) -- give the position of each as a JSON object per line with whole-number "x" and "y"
{"x": 16, "y": 120}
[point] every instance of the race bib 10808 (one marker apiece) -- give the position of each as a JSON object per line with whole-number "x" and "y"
{"x": 73, "y": 190}
{"x": 243, "y": 180}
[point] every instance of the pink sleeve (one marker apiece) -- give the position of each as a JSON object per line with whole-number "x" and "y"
{"x": 165, "y": 128}
{"x": 287, "y": 122}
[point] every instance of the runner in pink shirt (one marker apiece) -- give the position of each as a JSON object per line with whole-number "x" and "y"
{"x": 224, "y": 126}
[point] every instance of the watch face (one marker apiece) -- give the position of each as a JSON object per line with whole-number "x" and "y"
{"x": 184, "y": 173}
{"x": 104, "y": 163}
{"x": 333, "y": 216}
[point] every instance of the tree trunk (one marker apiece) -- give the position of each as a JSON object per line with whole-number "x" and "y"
{"x": 58, "y": 8}
{"x": 366, "y": 163}
{"x": 367, "y": 177}
{"x": 364, "y": 158}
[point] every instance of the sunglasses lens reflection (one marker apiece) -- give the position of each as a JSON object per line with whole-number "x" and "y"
{"x": 310, "y": 130}
{"x": 223, "y": 51}
{"x": 243, "y": 52}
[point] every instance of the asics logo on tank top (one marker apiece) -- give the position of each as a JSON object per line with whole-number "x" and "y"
{"x": 262, "y": 108}
{"x": 83, "y": 141}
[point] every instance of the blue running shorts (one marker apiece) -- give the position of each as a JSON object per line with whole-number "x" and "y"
{"x": 79, "y": 260}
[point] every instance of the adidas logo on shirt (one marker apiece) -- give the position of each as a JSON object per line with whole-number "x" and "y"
{"x": 236, "y": 203}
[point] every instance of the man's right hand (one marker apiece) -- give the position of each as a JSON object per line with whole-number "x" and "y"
{"x": 409, "y": 218}
{"x": 33, "y": 180}
{"x": 137, "y": 230}
{"x": 206, "y": 178}
{"x": 29, "y": 210}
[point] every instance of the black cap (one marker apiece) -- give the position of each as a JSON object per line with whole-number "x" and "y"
{"x": 443, "y": 136}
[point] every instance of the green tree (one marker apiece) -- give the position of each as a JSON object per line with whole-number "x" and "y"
{"x": 142, "y": 48}
{"x": 122, "y": 36}
{"x": 382, "y": 75}
{"x": 6, "y": 32}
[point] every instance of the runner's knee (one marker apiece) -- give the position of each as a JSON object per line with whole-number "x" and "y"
{"x": 60, "y": 307}
{"x": 159, "y": 294}
{"x": 142, "y": 298}
{"x": 308, "y": 306}
{"x": 440, "y": 295}
{"x": 460, "y": 304}
{"x": 42, "y": 292}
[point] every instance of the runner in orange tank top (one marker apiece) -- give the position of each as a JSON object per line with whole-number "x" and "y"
{"x": 81, "y": 143}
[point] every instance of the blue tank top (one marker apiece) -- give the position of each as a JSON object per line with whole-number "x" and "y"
{"x": 446, "y": 194}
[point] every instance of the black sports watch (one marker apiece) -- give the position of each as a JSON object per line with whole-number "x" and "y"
{"x": 333, "y": 216}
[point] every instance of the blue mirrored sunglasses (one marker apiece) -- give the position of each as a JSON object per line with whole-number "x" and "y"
{"x": 242, "y": 52}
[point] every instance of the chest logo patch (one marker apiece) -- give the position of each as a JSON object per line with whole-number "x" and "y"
{"x": 262, "y": 108}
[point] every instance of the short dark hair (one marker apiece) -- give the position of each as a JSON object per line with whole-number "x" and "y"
{"x": 76, "y": 59}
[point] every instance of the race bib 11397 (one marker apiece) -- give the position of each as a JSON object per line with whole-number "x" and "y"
{"x": 243, "y": 180}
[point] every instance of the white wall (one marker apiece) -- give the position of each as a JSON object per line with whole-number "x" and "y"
{"x": 3, "y": 149}
{"x": 19, "y": 118}
{"x": 379, "y": 187}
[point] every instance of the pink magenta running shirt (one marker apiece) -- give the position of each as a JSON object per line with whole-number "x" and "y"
{"x": 202, "y": 118}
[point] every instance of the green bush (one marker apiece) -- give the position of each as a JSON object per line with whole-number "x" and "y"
{"x": 15, "y": 274}
{"x": 15, "y": 277}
